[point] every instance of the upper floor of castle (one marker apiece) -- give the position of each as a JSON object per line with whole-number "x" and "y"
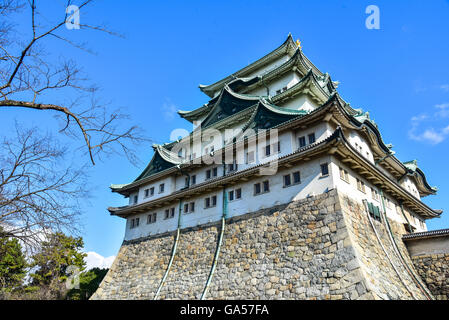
{"x": 272, "y": 132}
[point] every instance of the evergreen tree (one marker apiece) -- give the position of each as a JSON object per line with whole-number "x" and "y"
{"x": 12, "y": 264}
{"x": 51, "y": 264}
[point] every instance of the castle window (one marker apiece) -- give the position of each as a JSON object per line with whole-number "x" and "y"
{"x": 238, "y": 193}
{"x": 193, "y": 179}
{"x": 151, "y": 218}
{"x": 235, "y": 194}
{"x": 296, "y": 177}
{"x": 361, "y": 186}
{"x": 211, "y": 173}
{"x": 311, "y": 138}
{"x": 302, "y": 142}
{"x": 292, "y": 179}
{"x": 250, "y": 157}
{"x": 257, "y": 188}
{"x": 135, "y": 199}
{"x": 287, "y": 180}
{"x": 147, "y": 192}
{"x": 375, "y": 194}
{"x": 186, "y": 184}
{"x": 267, "y": 150}
{"x": 273, "y": 148}
{"x": 374, "y": 211}
{"x": 152, "y": 191}
{"x": 161, "y": 187}
{"x": 189, "y": 207}
{"x": 232, "y": 166}
{"x": 169, "y": 213}
{"x": 266, "y": 186}
{"x": 324, "y": 169}
{"x": 210, "y": 202}
{"x": 344, "y": 175}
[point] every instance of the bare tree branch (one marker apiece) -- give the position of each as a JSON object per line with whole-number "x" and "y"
{"x": 38, "y": 194}
{"x": 27, "y": 74}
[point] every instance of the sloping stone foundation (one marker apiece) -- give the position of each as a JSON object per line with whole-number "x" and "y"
{"x": 322, "y": 247}
{"x": 434, "y": 270}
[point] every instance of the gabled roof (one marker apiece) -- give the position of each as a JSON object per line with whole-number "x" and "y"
{"x": 227, "y": 100}
{"x": 162, "y": 160}
{"x": 288, "y": 47}
{"x": 228, "y": 104}
{"x": 195, "y": 114}
{"x": 297, "y": 63}
{"x": 267, "y": 116}
{"x": 415, "y": 171}
{"x": 310, "y": 85}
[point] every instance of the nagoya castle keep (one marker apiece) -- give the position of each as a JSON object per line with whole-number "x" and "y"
{"x": 282, "y": 190}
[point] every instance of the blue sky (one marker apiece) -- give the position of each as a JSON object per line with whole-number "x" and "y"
{"x": 398, "y": 73}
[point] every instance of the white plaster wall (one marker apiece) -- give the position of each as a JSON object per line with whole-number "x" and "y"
{"x": 288, "y": 80}
{"x": 312, "y": 183}
{"x": 351, "y": 190}
{"x": 273, "y": 65}
{"x": 169, "y": 187}
{"x": 300, "y": 102}
{"x": 410, "y": 186}
{"x": 354, "y": 138}
{"x": 322, "y": 131}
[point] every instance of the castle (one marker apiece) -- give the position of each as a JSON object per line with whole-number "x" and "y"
{"x": 281, "y": 191}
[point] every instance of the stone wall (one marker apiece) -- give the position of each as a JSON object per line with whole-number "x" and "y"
{"x": 434, "y": 270}
{"x": 322, "y": 247}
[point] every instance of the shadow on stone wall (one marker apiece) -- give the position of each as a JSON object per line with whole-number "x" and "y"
{"x": 322, "y": 247}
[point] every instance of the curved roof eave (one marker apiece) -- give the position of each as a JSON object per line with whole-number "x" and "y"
{"x": 308, "y": 79}
{"x": 210, "y": 89}
{"x": 283, "y": 48}
{"x": 386, "y": 149}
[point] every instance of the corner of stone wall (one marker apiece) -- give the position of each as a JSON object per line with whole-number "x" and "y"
{"x": 434, "y": 270}
{"x": 387, "y": 274}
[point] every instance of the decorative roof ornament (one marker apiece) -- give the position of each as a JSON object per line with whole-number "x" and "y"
{"x": 298, "y": 43}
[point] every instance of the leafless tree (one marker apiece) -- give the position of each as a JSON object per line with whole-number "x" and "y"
{"x": 28, "y": 74}
{"x": 39, "y": 192}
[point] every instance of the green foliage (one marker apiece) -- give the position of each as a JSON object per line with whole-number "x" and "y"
{"x": 12, "y": 264}
{"x": 51, "y": 263}
{"x": 89, "y": 282}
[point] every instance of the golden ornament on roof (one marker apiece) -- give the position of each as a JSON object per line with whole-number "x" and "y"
{"x": 298, "y": 43}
